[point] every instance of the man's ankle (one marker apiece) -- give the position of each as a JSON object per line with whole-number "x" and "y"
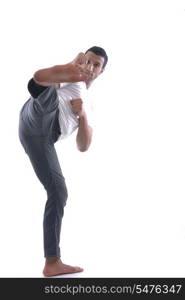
{"x": 51, "y": 260}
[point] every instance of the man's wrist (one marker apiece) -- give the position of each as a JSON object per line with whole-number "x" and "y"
{"x": 83, "y": 116}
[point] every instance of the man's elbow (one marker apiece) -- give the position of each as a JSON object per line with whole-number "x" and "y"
{"x": 83, "y": 146}
{"x": 83, "y": 149}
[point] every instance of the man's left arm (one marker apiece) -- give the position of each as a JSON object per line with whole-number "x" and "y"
{"x": 84, "y": 134}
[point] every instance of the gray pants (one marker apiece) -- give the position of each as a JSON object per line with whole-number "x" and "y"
{"x": 38, "y": 131}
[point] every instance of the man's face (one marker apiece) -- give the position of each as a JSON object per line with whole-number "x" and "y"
{"x": 94, "y": 63}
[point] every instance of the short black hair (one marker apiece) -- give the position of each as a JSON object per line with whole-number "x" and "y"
{"x": 99, "y": 51}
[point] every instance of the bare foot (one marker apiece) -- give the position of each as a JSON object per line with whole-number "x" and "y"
{"x": 54, "y": 267}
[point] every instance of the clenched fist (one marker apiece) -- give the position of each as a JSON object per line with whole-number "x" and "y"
{"x": 77, "y": 107}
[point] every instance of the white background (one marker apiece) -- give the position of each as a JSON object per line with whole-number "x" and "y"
{"x": 125, "y": 212}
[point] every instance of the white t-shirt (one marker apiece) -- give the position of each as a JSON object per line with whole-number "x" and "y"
{"x": 67, "y": 119}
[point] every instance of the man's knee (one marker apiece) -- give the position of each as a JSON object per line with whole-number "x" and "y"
{"x": 61, "y": 192}
{"x": 64, "y": 195}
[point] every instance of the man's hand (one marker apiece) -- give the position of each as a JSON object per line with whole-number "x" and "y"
{"x": 77, "y": 107}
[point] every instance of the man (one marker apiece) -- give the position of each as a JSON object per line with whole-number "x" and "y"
{"x": 53, "y": 112}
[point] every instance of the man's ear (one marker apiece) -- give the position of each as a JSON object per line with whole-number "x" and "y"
{"x": 102, "y": 70}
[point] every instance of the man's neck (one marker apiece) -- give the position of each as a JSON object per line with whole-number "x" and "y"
{"x": 88, "y": 83}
